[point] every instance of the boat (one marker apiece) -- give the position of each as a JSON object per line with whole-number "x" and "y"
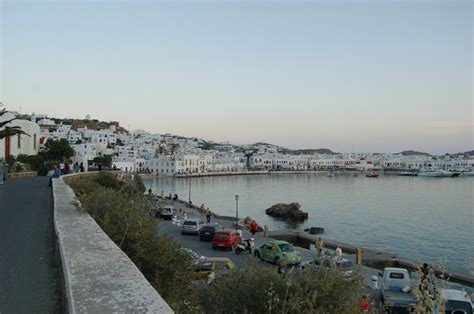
{"x": 354, "y": 174}
{"x": 467, "y": 174}
{"x": 330, "y": 174}
{"x": 372, "y": 174}
{"x": 437, "y": 173}
{"x": 408, "y": 174}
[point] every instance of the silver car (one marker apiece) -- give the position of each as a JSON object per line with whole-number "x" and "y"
{"x": 192, "y": 226}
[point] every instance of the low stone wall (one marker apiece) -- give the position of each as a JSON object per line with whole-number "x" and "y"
{"x": 16, "y": 175}
{"x": 98, "y": 276}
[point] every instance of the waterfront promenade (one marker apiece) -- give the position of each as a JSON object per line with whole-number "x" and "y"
{"x": 29, "y": 274}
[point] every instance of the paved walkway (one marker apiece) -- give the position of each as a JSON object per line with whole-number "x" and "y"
{"x": 29, "y": 272}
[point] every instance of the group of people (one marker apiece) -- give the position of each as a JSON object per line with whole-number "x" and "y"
{"x": 65, "y": 168}
{"x": 206, "y": 212}
{"x": 320, "y": 249}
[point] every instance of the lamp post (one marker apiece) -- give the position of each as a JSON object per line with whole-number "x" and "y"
{"x": 189, "y": 195}
{"x": 236, "y": 212}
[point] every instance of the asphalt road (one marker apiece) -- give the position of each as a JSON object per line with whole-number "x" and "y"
{"x": 29, "y": 277}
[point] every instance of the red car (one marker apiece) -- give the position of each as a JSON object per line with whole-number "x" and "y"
{"x": 226, "y": 238}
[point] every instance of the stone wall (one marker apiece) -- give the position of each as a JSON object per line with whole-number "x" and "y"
{"x": 98, "y": 276}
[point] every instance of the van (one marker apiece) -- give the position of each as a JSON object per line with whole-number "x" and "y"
{"x": 192, "y": 226}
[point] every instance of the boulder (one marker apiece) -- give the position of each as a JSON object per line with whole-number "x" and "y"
{"x": 289, "y": 212}
{"x": 314, "y": 230}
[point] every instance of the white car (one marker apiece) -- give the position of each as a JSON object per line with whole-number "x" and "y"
{"x": 456, "y": 301}
{"x": 192, "y": 226}
{"x": 168, "y": 212}
{"x": 194, "y": 256}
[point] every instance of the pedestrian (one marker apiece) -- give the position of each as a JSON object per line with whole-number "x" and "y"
{"x": 76, "y": 167}
{"x": 61, "y": 167}
{"x": 253, "y": 227}
{"x": 364, "y": 304}
{"x": 208, "y": 216}
{"x": 338, "y": 253}
{"x": 56, "y": 174}
{"x": 81, "y": 167}
{"x": 1, "y": 172}
{"x": 149, "y": 191}
{"x": 202, "y": 209}
{"x": 320, "y": 246}
{"x": 100, "y": 167}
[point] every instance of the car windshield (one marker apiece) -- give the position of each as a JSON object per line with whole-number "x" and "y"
{"x": 207, "y": 266}
{"x": 222, "y": 235}
{"x": 208, "y": 228}
{"x": 285, "y": 247}
{"x": 189, "y": 223}
{"x": 346, "y": 265}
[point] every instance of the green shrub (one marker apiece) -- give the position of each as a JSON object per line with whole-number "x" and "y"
{"x": 23, "y": 158}
{"x": 35, "y": 161}
{"x": 108, "y": 180}
{"x": 43, "y": 169}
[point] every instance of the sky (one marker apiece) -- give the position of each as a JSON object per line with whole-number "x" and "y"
{"x": 378, "y": 76}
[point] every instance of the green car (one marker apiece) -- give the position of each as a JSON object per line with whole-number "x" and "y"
{"x": 278, "y": 252}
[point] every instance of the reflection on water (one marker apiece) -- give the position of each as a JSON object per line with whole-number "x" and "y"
{"x": 429, "y": 218}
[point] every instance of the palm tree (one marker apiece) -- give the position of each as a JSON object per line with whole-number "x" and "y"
{"x": 8, "y": 132}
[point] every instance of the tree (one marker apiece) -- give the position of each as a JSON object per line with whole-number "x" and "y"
{"x": 57, "y": 150}
{"x": 8, "y": 131}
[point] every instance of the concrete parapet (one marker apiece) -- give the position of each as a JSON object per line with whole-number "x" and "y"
{"x": 16, "y": 175}
{"x": 98, "y": 276}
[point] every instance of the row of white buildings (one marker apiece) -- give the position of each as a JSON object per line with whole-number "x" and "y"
{"x": 168, "y": 155}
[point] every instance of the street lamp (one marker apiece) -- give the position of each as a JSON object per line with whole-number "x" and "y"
{"x": 236, "y": 211}
{"x": 189, "y": 195}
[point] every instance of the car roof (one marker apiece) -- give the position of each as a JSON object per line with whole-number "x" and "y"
{"x": 193, "y": 219}
{"x": 455, "y": 295}
{"x": 278, "y": 242}
{"x": 226, "y": 230}
{"x": 212, "y": 224}
{"x": 217, "y": 259}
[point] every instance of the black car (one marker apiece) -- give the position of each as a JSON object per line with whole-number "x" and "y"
{"x": 208, "y": 231}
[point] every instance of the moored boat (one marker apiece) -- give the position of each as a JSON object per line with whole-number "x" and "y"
{"x": 436, "y": 173}
{"x": 408, "y": 174}
{"x": 372, "y": 174}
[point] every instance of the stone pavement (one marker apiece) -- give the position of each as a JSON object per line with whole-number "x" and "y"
{"x": 29, "y": 274}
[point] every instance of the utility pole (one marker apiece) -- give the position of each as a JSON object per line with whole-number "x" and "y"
{"x": 236, "y": 211}
{"x": 189, "y": 195}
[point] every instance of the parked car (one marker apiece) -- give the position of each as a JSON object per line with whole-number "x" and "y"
{"x": 211, "y": 267}
{"x": 278, "y": 252}
{"x": 455, "y": 301}
{"x": 192, "y": 226}
{"x": 208, "y": 231}
{"x": 168, "y": 212}
{"x": 226, "y": 238}
{"x": 397, "y": 289}
{"x": 347, "y": 267}
{"x": 194, "y": 256}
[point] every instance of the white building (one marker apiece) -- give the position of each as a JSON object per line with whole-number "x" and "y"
{"x": 21, "y": 144}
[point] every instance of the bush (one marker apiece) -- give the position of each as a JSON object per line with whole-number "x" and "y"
{"x": 108, "y": 180}
{"x": 23, "y": 158}
{"x": 254, "y": 288}
{"x": 35, "y": 161}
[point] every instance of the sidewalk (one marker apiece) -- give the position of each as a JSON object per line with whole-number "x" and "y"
{"x": 29, "y": 274}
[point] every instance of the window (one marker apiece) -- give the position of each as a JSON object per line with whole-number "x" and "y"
{"x": 34, "y": 141}
{"x": 19, "y": 141}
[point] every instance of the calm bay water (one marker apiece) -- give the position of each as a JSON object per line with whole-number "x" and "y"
{"x": 421, "y": 218}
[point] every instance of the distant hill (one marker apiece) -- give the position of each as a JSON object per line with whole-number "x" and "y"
{"x": 469, "y": 153}
{"x": 413, "y": 153}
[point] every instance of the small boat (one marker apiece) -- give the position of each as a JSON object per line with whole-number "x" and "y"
{"x": 330, "y": 174}
{"x": 372, "y": 174}
{"x": 354, "y": 174}
{"x": 467, "y": 174}
{"x": 437, "y": 173}
{"x": 408, "y": 174}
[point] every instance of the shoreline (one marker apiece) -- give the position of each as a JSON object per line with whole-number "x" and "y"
{"x": 264, "y": 172}
{"x": 372, "y": 258}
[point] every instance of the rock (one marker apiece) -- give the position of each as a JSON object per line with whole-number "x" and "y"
{"x": 290, "y": 212}
{"x": 314, "y": 230}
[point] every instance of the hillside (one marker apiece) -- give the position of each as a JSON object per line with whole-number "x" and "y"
{"x": 413, "y": 153}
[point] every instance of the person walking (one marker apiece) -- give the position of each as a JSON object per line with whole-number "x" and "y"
{"x": 76, "y": 167}
{"x": 320, "y": 246}
{"x": 1, "y": 172}
{"x": 81, "y": 167}
{"x": 208, "y": 216}
{"x": 338, "y": 253}
{"x": 253, "y": 227}
{"x": 202, "y": 209}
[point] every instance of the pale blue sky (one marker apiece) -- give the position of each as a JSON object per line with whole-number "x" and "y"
{"x": 363, "y": 75}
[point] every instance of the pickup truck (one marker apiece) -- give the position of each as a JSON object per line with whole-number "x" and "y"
{"x": 397, "y": 289}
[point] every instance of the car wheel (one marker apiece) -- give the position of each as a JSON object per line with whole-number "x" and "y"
{"x": 257, "y": 254}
